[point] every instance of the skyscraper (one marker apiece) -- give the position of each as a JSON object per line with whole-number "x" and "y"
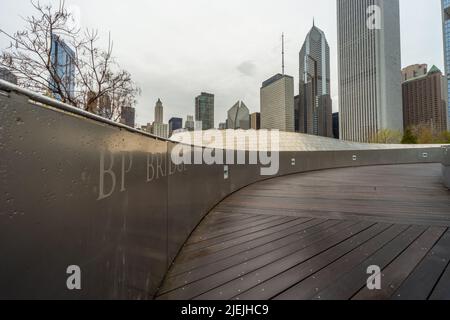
{"x": 127, "y": 116}
{"x": 175, "y": 124}
{"x": 255, "y": 121}
{"x": 204, "y": 110}
{"x": 446, "y": 32}
{"x": 159, "y": 112}
{"x": 147, "y": 128}
{"x": 238, "y": 117}
{"x": 297, "y": 113}
{"x": 425, "y": 99}
{"x": 190, "y": 123}
{"x": 413, "y": 71}
{"x": 336, "y": 125}
{"x": 277, "y": 103}
{"x": 159, "y": 128}
{"x": 64, "y": 68}
{"x": 314, "y": 102}
{"x": 369, "y": 68}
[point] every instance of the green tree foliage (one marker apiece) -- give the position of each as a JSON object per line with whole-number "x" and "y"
{"x": 409, "y": 137}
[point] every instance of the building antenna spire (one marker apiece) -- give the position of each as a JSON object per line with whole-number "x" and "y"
{"x": 282, "y": 53}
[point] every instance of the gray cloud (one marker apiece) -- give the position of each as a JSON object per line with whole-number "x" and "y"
{"x": 247, "y": 68}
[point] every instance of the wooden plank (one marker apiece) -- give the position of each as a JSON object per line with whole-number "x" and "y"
{"x": 231, "y": 239}
{"x": 347, "y": 286}
{"x": 243, "y": 253}
{"x": 285, "y": 218}
{"x": 395, "y": 273}
{"x": 329, "y": 236}
{"x": 195, "y": 239}
{"x": 404, "y": 218}
{"x": 420, "y": 284}
{"x": 393, "y": 194}
{"x": 295, "y": 267}
{"x": 251, "y": 277}
{"x": 309, "y": 284}
{"x": 216, "y": 221}
{"x": 226, "y": 250}
{"x": 442, "y": 289}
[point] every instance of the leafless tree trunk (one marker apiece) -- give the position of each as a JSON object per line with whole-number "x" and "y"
{"x": 96, "y": 82}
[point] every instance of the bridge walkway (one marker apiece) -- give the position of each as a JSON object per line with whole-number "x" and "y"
{"x": 314, "y": 236}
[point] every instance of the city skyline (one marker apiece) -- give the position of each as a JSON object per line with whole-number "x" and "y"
{"x": 162, "y": 70}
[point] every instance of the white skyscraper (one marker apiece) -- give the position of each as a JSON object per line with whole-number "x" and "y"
{"x": 159, "y": 111}
{"x": 159, "y": 128}
{"x": 370, "y": 94}
{"x": 277, "y": 103}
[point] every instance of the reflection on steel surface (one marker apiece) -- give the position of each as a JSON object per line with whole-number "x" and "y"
{"x": 249, "y": 140}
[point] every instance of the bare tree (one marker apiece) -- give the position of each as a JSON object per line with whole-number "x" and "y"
{"x": 89, "y": 77}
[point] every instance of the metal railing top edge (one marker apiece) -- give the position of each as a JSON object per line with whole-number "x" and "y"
{"x": 10, "y": 87}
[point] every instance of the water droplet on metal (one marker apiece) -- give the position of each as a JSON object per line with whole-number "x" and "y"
{"x": 19, "y": 121}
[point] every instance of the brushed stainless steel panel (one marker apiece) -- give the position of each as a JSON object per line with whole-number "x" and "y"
{"x": 56, "y": 211}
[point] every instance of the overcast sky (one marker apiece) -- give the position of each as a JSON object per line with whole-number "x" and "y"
{"x": 176, "y": 49}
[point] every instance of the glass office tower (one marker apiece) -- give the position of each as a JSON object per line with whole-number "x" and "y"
{"x": 204, "y": 110}
{"x": 315, "y": 106}
{"x": 62, "y": 61}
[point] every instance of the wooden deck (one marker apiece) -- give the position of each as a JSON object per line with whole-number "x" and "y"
{"x": 313, "y": 236}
